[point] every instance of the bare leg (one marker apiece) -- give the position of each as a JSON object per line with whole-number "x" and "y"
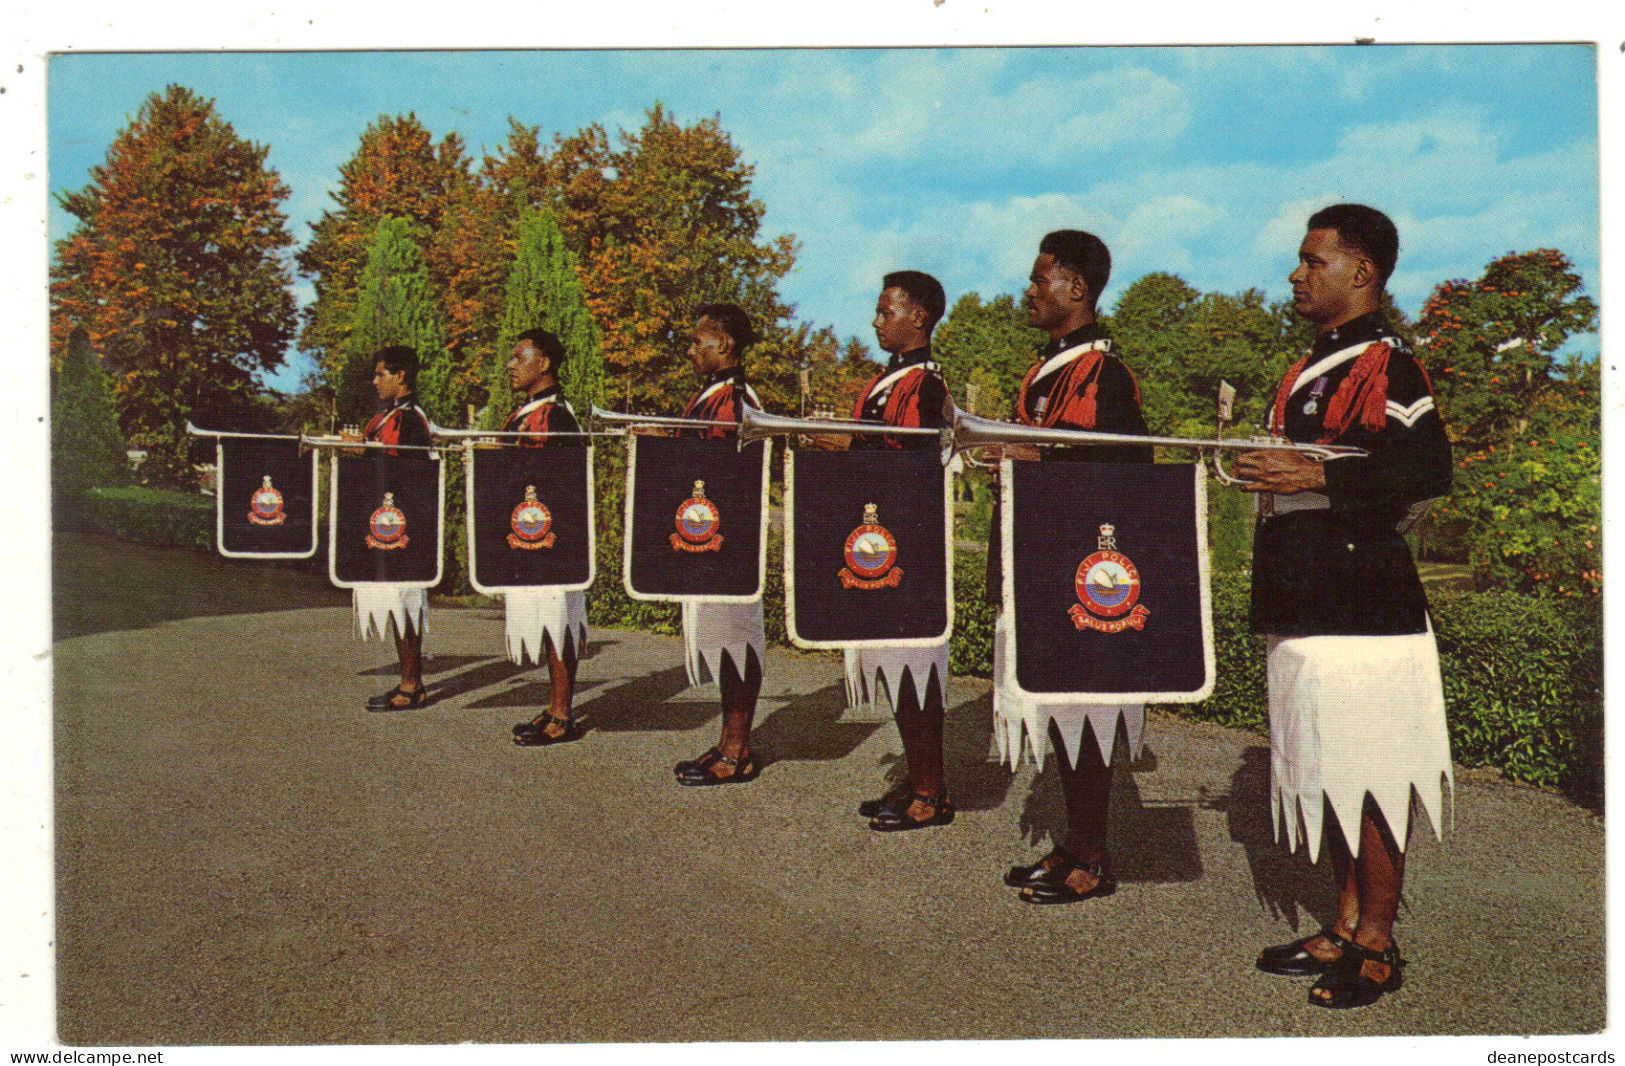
{"x": 1378, "y": 876}
{"x": 561, "y": 672}
{"x": 920, "y": 727}
{"x": 739, "y": 706}
{"x": 553, "y": 724}
{"x": 731, "y": 757}
{"x": 1087, "y": 788}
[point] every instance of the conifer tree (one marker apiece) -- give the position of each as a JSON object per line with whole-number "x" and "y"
{"x": 395, "y": 305}
{"x": 86, "y": 448}
{"x": 398, "y": 171}
{"x": 544, "y": 290}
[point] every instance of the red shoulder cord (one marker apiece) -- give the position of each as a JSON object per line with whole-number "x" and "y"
{"x": 1075, "y": 410}
{"x": 1363, "y": 395}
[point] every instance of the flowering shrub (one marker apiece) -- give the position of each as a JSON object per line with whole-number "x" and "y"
{"x": 1527, "y": 514}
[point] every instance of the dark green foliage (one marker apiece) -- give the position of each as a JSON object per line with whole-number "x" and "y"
{"x": 1523, "y": 684}
{"x": 1181, "y": 343}
{"x": 607, "y": 601}
{"x": 86, "y": 448}
{"x": 544, "y": 291}
{"x": 155, "y": 517}
{"x": 1230, "y": 521}
{"x": 970, "y": 651}
{"x": 395, "y": 305}
{"x": 988, "y": 345}
{"x": 1239, "y": 693}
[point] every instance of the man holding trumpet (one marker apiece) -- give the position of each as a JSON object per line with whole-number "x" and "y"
{"x": 1077, "y": 382}
{"x": 1356, "y": 702}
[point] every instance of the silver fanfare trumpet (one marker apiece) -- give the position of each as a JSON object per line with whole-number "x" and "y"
{"x": 754, "y": 425}
{"x": 616, "y": 418}
{"x": 970, "y": 432}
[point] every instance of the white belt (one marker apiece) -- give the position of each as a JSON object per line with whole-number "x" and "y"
{"x": 1301, "y": 501}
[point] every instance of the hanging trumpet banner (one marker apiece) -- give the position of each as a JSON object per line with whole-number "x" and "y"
{"x": 696, "y": 519}
{"x": 384, "y": 522}
{"x": 868, "y": 548}
{"x": 1106, "y": 580}
{"x": 265, "y": 500}
{"x": 530, "y": 518}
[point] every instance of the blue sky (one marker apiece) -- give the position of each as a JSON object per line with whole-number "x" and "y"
{"x": 1202, "y": 161}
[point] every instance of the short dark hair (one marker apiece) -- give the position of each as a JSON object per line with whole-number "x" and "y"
{"x": 923, "y": 289}
{"x": 1082, "y": 253}
{"x": 548, "y": 345}
{"x": 399, "y": 359}
{"x": 1364, "y": 228}
{"x": 734, "y": 322}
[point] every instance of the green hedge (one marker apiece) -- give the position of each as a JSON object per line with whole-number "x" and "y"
{"x": 157, "y": 517}
{"x": 1522, "y": 675}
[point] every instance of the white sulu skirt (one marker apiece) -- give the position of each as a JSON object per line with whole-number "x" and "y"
{"x": 534, "y": 616}
{"x": 876, "y": 673}
{"x": 1351, "y": 715}
{"x": 712, "y": 631}
{"x": 377, "y": 607}
{"x": 1014, "y": 714}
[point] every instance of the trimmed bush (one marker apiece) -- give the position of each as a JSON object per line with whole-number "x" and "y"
{"x": 1522, "y": 681}
{"x": 158, "y": 517}
{"x": 1523, "y": 685}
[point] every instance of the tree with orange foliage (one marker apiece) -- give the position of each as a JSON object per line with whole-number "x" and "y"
{"x": 398, "y": 171}
{"x": 1492, "y": 344}
{"x": 662, "y": 226}
{"x": 176, "y": 273}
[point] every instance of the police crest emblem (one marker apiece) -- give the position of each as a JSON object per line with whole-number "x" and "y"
{"x": 531, "y": 523}
{"x": 871, "y": 555}
{"x": 265, "y": 505}
{"x": 697, "y": 523}
{"x": 387, "y": 526}
{"x": 1108, "y": 588}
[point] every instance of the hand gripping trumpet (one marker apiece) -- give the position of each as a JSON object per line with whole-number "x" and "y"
{"x": 970, "y": 432}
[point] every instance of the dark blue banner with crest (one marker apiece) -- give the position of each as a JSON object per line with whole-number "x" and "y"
{"x": 265, "y": 499}
{"x": 530, "y": 518}
{"x": 696, "y": 519}
{"x": 385, "y": 520}
{"x": 1106, "y": 581}
{"x": 868, "y": 548}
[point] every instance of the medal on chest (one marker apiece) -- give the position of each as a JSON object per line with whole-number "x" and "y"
{"x": 697, "y": 523}
{"x": 531, "y": 523}
{"x": 1108, "y": 589}
{"x": 1316, "y": 391}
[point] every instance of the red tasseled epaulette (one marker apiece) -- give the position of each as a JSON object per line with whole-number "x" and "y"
{"x": 1079, "y": 407}
{"x": 1363, "y": 395}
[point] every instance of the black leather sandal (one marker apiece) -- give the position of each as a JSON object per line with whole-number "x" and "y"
{"x": 870, "y": 808}
{"x": 386, "y": 701}
{"x": 534, "y": 734}
{"x": 1054, "y": 889}
{"x": 1296, "y": 960}
{"x": 1347, "y": 987}
{"x": 698, "y": 771}
{"x": 897, "y": 819}
{"x": 1027, "y": 876}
